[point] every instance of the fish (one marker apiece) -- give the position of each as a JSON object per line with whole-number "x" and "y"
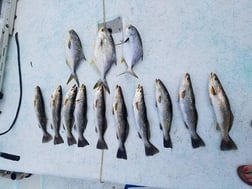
{"x": 80, "y": 115}
{"x": 100, "y": 113}
{"x": 189, "y": 111}
{"x": 223, "y": 112}
{"x": 142, "y": 123}
{"x": 165, "y": 112}
{"x": 132, "y": 49}
{"x": 39, "y": 107}
{"x": 56, "y": 106}
{"x": 68, "y": 114}
{"x": 122, "y": 125}
{"x": 74, "y": 54}
{"x": 104, "y": 55}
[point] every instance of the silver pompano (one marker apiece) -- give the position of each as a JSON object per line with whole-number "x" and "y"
{"x": 68, "y": 113}
{"x": 164, "y": 108}
{"x": 104, "y": 55}
{"x": 74, "y": 54}
{"x": 122, "y": 126}
{"x": 39, "y": 107}
{"x": 100, "y": 113}
{"x": 133, "y": 49}
{"x": 56, "y": 105}
{"x": 142, "y": 121}
{"x": 80, "y": 115}
{"x": 188, "y": 110}
{"x": 222, "y": 110}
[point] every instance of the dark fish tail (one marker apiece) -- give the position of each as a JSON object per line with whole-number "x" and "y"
{"x": 58, "y": 140}
{"x": 101, "y": 144}
{"x": 227, "y": 144}
{"x": 131, "y": 72}
{"x": 75, "y": 77}
{"x": 150, "y": 149}
{"x": 103, "y": 83}
{"x": 197, "y": 141}
{"x": 82, "y": 142}
{"x": 121, "y": 152}
{"x": 167, "y": 142}
{"x": 71, "y": 140}
{"x": 46, "y": 137}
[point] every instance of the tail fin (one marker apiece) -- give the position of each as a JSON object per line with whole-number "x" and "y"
{"x": 104, "y": 83}
{"x": 167, "y": 142}
{"x": 71, "y": 140}
{"x": 131, "y": 72}
{"x": 58, "y": 140}
{"x": 46, "y": 137}
{"x": 197, "y": 141}
{"x": 75, "y": 77}
{"x": 82, "y": 142}
{"x": 121, "y": 152}
{"x": 101, "y": 144}
{"x": 227, "y": 144}
{"x": 150, "y": 149}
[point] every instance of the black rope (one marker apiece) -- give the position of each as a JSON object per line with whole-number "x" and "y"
{"x": 20, "y": 86}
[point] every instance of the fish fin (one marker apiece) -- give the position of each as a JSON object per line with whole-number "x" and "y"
{"x": 92, "y": 62}
{"x": 75, "y": 127}
{"x": 101, "y": 144}
{"x": 51, "y": 126}
{"x": 116, "y": 104}
{"x": 212, "y": 91}
{"x": 123, "y": 60}
{"x": 82, "y": 142}
{"x": 113, "y": 112}
{"x": 121, "y": 152}
{"x": 182, "y": 95}
{"x": 65, "y": 101}
{"x": 159, "y": 99}
{"x": 137, "y": 107}
{"x": 186, "y": 125}
{"x": 231, "y": 121}
{"x": 197, "y": 142}
{"x": 126, "y": 40}
{"x": 227, "y": 144}
{"x": 150, "y": 149}
{"x": 46, "y": 137}
{"x": 96, "y": 130}
{"x": 131, "y": 72}
{"x": 103, "y": 83}
{"x": 217, "y": 127}
{"x": 39, "y": 126}
{"x": 167, "y": 142}
{"x": 63, "y": 126}
{"x": 71, "y": 140}
{"x": 139, "y": 135}
{"x": 58, "y": 140}
{"x": 117, "y": 136}
{"x": 156, "y": 104}
{"x": 75, "y": 77}
{"x": 160, "y": 126}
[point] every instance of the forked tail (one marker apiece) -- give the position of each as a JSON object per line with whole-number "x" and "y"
{"x": 150, "y": 149}
{"x": 103, "y": 83}
{"x": 227, "y": 144}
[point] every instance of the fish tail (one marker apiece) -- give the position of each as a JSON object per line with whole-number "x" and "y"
{"x": 121, "y": 152}
{"x": 150, "y": 149}
{"x": 58, "y": 140}
{"x": 227, "y": 144}
{"x": 103, "y": 83}
{"x": 71, "y": 140}
{"x": 167, "y": 142}
{"x": 75, "y": 77}
{"x": 197, "y": 141}
{"x": 82, "y": 142}
{"x": 46, "y": 137}
{"x": 101, "y": 144}
{"x": 131, "y": 72}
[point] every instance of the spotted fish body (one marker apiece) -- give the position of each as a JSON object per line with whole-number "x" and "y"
{"x": 74, "y": 54}
{"x": 101, "y": 121}
{"x": 39, "y": 107}
{"x": 56, "y": 106}
{"x": 132, "y": 49}
{"x": 104, "y": 55}
{"x": 164, "y": 108}
{"x": 188, "y": 110}
{"x": 68, "y": 114}
{"x": 142, "y": 122}
{"x": 122, "y": 126}
{"x": 80, "y": 115}
{"x": 223, "y": 112}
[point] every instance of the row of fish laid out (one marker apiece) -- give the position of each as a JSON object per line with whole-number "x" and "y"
{"x": 75, "y": 113}
{"x": 104, "y": 53}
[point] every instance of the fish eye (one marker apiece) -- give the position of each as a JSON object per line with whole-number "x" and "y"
{"x": 102, "y": 29}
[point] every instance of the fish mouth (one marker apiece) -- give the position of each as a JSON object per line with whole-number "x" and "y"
{"x": 157, "y": 81}
{"x": 59, "y": 88}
